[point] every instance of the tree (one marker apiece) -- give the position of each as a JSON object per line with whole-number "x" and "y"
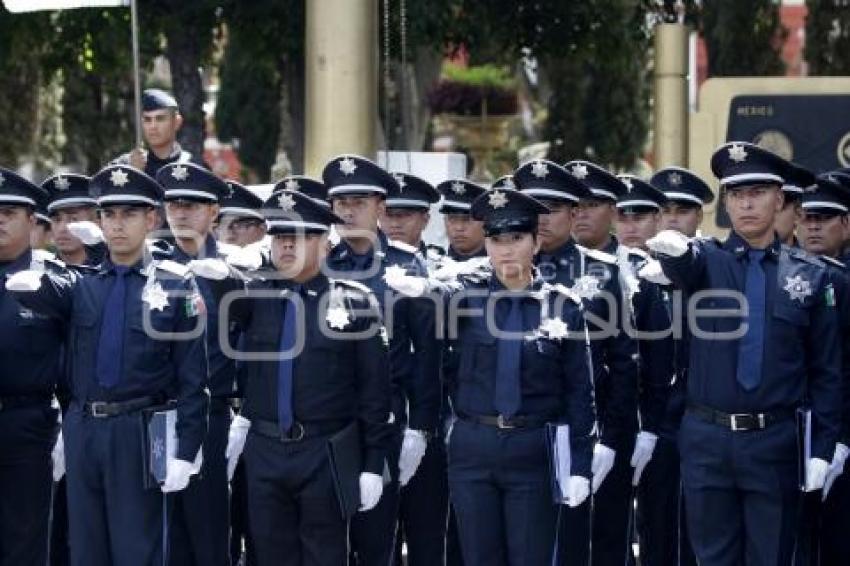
{"x": 742, "y": 38}
{"x": 828, "y": 37}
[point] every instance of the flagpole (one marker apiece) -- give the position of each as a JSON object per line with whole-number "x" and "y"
{"x": 137, "y": 87}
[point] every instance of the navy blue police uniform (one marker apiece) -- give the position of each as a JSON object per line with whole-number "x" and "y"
{"x": 114, "y": 519}
{"x": 738, "y": 439}
{"x": 300, "y": 392}
{"x": 415, "y": 350}
{"x": 458, "y": 195}
{"x": 200, "y": 523}
{"x": 31, "y": 367}
{"x": 313, "y": 188}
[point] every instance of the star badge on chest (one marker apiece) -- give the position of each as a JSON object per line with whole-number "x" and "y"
{"x": 338, "y": 317}
{"x": 797, "y": 288}
{"x": 156, "y": 297}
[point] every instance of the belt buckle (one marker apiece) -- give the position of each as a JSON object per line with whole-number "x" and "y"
{"x": 502, "y": 423}
{"x": 98, "y": 409}
{"x": 294, "y": 436}
{"x": 734, "y": 422}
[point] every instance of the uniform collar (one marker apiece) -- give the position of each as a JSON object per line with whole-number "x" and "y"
{"x": 20, "y": 263}
{"x": 210, "y": 247}
{"x": 176, "y": 150}
{"x": 739, "y": 246}
{"x": 536, "y": 284}
{"x": 343, "y": 250}
{"x": 315, "y": 286}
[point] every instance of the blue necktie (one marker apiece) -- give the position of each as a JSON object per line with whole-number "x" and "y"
{"x": 110, "y": 346}
{"x": 285, "y": 418}
{"x": 508, "y": 366}
{"x": 751, "y": 346}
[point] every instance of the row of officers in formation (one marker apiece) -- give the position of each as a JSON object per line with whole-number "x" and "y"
{"x": 702, "y": 382}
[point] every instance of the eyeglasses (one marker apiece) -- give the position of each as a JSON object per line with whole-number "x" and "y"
{"x": 242, "y": 225}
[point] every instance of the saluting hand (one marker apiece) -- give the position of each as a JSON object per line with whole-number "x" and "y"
{"x": 669, "y": 242}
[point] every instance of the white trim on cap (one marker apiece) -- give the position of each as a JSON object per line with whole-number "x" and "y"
{"x": 550, "y": 193}
{"x": 407, "y": 202}
{"x": 177, "y": 193}
{"x": 456, "y": 204}
{"x": 676, "y": 195}
{"x": 70, "y": 201}
{"x": 295, "y": 224}
{"x": 43, "y": 217}
{"x": 824, "y": 204}
{"x": 126, "y": 199}
{"x": 239, "y": 211}
{"x": 754, "y": 177}
{"x": 603, "y": 193}
{"x": 788, "y": 188}
{"x": 638, "y": 202}
{"x": 15, "y": 199}
{"x": 356, "y": 188}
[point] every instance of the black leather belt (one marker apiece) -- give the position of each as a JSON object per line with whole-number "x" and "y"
{"x": 299, "y": 431}
{"x": 105, "y": 409}
{"x": 506, "y": 423}
{"x": 740, "y": 422}
{"x": 18, "y": 401}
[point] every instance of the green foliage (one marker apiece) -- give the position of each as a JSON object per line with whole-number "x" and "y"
{"x": 828, "y": 37}
{"x": 481, "y": 76}
{"x": 743, "y": 38}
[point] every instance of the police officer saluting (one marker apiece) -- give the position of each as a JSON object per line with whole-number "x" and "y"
{"x": 315, "y": 365}
{"x": 406, "y": 214}
{"x": 70, "y": 202}
{"x": 240, "y": 220}
{"x": 465, "y": 235}
{"x": 120, "y": 363}
{"x": 738, "y": 441}
{"x": 30, "y": 361}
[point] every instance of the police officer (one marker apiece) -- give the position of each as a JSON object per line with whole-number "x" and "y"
{"x": 797, "y": 180}
{"x": 660, "y": 520}
{"x": 70, "y": 202}
{"x": 120, "y": 364}
{"x": 161, "y": 120}
{"x": 738, "y": 439}
{"x": 313, "y": 188}
{"x": 240, "y": 221}
{"x": 406, "y": 215}
{"x": 328, "y": 372}
{"x": 40, "y": 237}
{"x": 826, "y": 518}
{"x": 30, "y": 348}
{"x": 201, "y": 521}
{"x": 357, "y": 189}
{"x": 521, "y": 368}
{"x": 465, "y": 235}
{"x": 576, "y": 190}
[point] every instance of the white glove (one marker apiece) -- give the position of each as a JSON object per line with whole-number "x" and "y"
{"x": 412, "y": 450}
{"x": 209, "y": 268}
{"x": 371, "y": 488}
{"x": 89, "y": 233}
{"x": 248, "y": 258}
{"x": 236, "y": 437}
{"x": 652, "y": 272}
{"x": 644, "y": 447}
{"x": 836, "y": 468}
{"x": 578, "y": 488}
{"x": 27, "y": 280}
{"x": 603, "y": 462}
{"x": 408, "y": 285}
{"x": 177, "y": 475}
{"x": 669, "y": 242}
{"x": 816, "y": 473}
{"x": 58, "y": 458}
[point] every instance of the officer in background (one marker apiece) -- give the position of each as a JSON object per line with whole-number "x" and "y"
{"x": 30, "y": 365}
{"x": 328, "y": 371}
{"x": 161, "y": 120}
{"x": 521, "y": 369}
{"x": 739, "y": 445}
{"x": 201, "y": 519}
{"x": 660, "y": 520}
{"x": 358, "y": 189}
{"x": 240, "y": 221}
{"x": 71, "y": 202}
{"x": 465, "y": 235}
{"x": 826, "y": 517}
{"x": 40, "y": 237}
{"x": 313, "y": 188}
{"x": 407, "y": 214}
{"x": 797, "y": 180}
{"x": 121, "y": 364}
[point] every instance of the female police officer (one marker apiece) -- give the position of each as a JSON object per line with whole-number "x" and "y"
{"x": 522, "y": 366}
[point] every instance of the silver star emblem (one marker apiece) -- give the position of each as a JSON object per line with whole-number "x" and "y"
{"x": 674, "y": 179}
{"x": 286, "y": 202}
{"x": 347, "y": 166}
{"x": 554, "y": 328}
{"x": 155, "y": 297}
{"x": 737, "y": 153}
{"x": 180, "y": 172}
{"x": 539, "y": 169}
{"x": 292, "y": 185}
{"x": 586, "y": 287}
{"x": 497, "y": 199}
{"x": 458, "y": 188}
{"x": 628, "y": 182}
{"x": 797, "y": 288}
{"x": 579, "y": 171}
{"x": 62, "y": 183}
{"x": 118, "y": 178}
{"x": 338, "y": 318}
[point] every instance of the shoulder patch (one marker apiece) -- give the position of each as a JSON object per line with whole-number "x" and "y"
{"x": 598, "y": 255}
{"x": 173, "y": 267}
{"x": 402, "y": 246}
